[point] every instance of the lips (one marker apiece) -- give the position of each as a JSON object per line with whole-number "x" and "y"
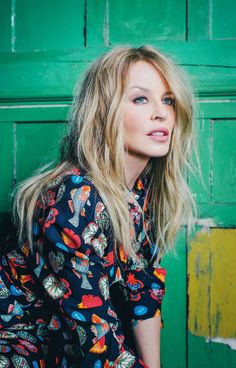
{"x": 161, "y": 132}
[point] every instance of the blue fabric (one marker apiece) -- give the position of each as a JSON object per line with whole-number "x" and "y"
{"x": 61, "y": 290}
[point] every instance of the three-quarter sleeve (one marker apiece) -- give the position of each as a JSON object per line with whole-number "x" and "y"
{"x": 73, "y": 272}
{"x": 146, "y": 289}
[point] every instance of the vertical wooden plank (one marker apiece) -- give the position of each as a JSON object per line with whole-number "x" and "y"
{"x": 223, "y": 281}
{"x": 6, "y": 164}
{"x": 212, "y": 299}
{"x": 49, "y": 25}
{"x": 5, "y": 25}
{"x": 203, "y": 137}
{"x": 224, "y": 29}
{"x": 212, "y": 294}
{"x": 97, "y": 21}
{"x": 139, "y": 21}
{"x": 174, "y": 310}
{"x": 223, "y": 161}
{"x": 204, "y": 16}
{"x": 211, "y": 258}
{"x": 198, "y": 20}
{"x": 37, "y": 144}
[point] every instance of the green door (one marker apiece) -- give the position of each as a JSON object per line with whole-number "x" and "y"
{"x": 45, "y": 46}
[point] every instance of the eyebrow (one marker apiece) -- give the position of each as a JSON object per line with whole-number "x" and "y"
{"x": 148, "y": 90}
{"x": 142, "y": 88}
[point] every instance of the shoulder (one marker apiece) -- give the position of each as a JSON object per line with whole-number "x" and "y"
{"x": 75, "y": 198}
{"x": 76, "y": 186}
{"x": 69, "y": 186}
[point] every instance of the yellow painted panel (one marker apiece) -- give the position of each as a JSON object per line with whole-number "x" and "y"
{"x": 198, "y": 287}
{"x": 212, "y": 284}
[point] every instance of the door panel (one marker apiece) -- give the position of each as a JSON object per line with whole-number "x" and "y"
{"x": 132, "y": 21}
{"x": 174, "y": 333}
{"x": 211, "y": 253}
{"x": 211, "y": 20}
{"x": 39, "y": 143}
{"x": 27, "y": 145}
{"x": 223, "y": 161}
{"x": 53, "y": 26}
{"x": 46, "y": 45}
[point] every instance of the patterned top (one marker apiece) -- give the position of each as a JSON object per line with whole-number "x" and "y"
{"x": 74, "y": 266}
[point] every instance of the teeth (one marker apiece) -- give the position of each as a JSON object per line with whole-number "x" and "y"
{"x": 158, "y": 133}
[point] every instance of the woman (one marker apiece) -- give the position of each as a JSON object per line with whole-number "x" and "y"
{"x": 103, "y": 217}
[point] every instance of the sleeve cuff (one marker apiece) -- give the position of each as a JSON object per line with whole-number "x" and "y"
{"x": 146, "y": 291}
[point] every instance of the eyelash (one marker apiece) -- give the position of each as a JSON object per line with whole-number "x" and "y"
{"x": 171, "y": 101}
{"x": 139, "y": 98}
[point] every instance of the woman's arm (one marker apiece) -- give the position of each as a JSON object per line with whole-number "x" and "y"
{"x": 75, "y": 276}
{"x": 147, "y": 339}
{"x": 146, "y": 291}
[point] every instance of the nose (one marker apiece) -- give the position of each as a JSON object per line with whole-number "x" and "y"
{"x": 159, "y": 113}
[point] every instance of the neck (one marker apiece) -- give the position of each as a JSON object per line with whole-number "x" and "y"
{"x": 134, "y": 166}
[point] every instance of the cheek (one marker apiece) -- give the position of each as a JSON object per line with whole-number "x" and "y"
{"x": 172, "y": 120}
{"x": 173, "y": 129}
{"x": 129, "y": 122}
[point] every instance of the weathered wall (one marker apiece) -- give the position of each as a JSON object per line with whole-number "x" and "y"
{"x": 46, "y": 45}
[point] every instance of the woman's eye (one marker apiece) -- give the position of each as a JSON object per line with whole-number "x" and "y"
{"x": 140, "y": 100}
{"x": 169, "y": 101}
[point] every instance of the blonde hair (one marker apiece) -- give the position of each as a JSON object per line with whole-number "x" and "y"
{"x": 95, "y": 142}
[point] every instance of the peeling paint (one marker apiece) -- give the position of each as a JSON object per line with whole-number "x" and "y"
{"x": 217, "y": 101}
{"x": 230, "y": 342}
{"x": 206, "y": 223}
{"x": 106, "y": 24}
{"x": 211, "y": 289}
{"x": 11, "y": 107}
{"x": 85, "y": 23}
{"x": 210, "y": 25}
{"x": 13, "y": 25}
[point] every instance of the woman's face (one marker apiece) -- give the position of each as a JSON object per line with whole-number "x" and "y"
{"x": 149, "y": 113}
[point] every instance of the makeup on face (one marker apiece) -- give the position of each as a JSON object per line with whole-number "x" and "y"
{"x": 149, "y": 115}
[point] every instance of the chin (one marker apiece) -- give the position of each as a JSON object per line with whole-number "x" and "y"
{"x": 160, "y": 154}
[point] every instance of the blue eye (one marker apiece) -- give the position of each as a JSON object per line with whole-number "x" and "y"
{"x": 140, "y": 100}
{"x": 169, "y": 101}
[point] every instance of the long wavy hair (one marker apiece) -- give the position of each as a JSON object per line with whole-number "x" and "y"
{"x": 95, "y": 142}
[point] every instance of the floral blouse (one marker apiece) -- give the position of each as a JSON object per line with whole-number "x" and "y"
{"x": 58, "y": 299}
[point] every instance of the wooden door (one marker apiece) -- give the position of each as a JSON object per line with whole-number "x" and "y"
{"x": 46, "y": 45}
